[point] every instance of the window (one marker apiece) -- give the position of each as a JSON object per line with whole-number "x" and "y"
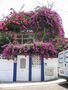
{"x": 26, "y": 38}
{"x": 61, "y": 58}
{"x": 36, "y": 61}
{"x": 22, "y": 63}
{"x": 66, "y": 56}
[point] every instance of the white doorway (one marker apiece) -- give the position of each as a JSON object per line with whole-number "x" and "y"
{"x": 22, "y": 68}
{"x": 36, "y": 68}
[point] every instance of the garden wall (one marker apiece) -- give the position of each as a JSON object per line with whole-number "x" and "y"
{"x": 50, "y": 69}
{"x": 6, "y": 70}
{"x": 28, "y": 68}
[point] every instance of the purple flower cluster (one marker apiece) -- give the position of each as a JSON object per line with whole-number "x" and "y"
{"x": 49, "y": 20}
{"x": 44, "y": 49}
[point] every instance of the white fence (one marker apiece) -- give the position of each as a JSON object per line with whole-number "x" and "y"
{"x": 50, "y": 69}
{"x": 23, "y": 72}
{"x": 6, "y": 70}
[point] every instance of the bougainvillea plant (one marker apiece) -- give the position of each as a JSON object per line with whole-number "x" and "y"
{"x": 47, "y": 27}
{"x": 48, "y": 22}
{"x": 42, "y": 20}
{"x": 18, "y": 21}
{"x": 44, "y": 49}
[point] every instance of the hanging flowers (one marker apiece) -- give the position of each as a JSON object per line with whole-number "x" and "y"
{"x": 47, "y": 21}
{"x": 44, "y": 49}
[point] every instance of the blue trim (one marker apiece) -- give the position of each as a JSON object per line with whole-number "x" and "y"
{"x": 14, "y": 72}
{"x": 30, "y": 68}
{"x": 42, "y": 69}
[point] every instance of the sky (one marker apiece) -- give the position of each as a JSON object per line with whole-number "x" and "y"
{"x": 60, "y": 6}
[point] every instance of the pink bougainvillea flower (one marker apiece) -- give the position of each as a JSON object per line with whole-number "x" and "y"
{"x": 1, "y": 25}
{"x": 1, "y": 28}
{"x": 16, "y": 22}
{"x": 24, "y": 27}
{"x": 17, "y": 18}
{"x": 6, "y": 28}
{"x": 13, "y": 22}
{"x": 25, "y": 21}
{"x": 7, "y": 17}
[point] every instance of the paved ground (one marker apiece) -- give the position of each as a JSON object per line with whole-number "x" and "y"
{"x": 60, "y": 84}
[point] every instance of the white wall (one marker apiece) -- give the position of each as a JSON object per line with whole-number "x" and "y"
{"x": 50, "y": 68}
{"x": 6, "y": 70}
